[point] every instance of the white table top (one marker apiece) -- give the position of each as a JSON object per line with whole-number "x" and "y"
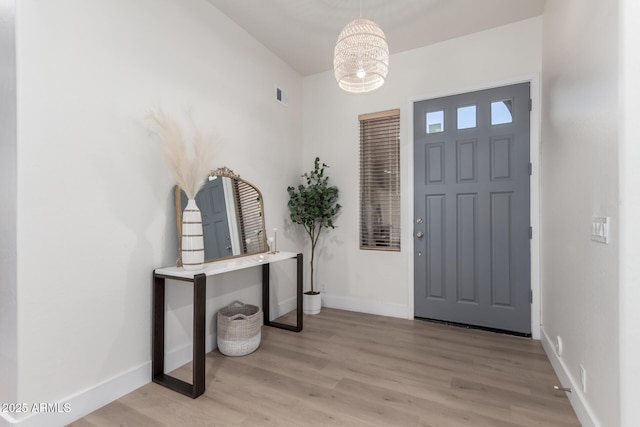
{"x": 226, "y": 265}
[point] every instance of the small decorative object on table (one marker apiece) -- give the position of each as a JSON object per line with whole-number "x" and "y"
{"x": 239, "y": 329}
{"x": 189, "y": 168}
{"x": 273, "y": 242}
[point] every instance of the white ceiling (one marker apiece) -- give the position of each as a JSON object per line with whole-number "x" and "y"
{"x": 303, "y": 32}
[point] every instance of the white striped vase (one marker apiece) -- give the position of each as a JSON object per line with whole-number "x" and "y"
{"x": 192, "y": 239}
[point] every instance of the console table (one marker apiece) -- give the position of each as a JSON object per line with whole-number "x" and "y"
{"x": 199, "y": 281}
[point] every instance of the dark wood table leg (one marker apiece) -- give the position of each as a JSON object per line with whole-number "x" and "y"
{"x": 199, "y": 314}
{"x": 266, "y": 298}
{"x": 157, "y": 359}
{"x": 299, "y": 284}
{"x": 157, "y": 362}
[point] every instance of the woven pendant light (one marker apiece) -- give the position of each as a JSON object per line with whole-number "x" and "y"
{"x": 361, "y": 57}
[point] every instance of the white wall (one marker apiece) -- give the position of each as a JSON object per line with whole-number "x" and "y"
{"x": 381, "y": 282}
{"x": 580, "y": 181}
{"x": 629, "y": 158}
{"x": 8, "y": 173}
{"x": 95, "y": 200}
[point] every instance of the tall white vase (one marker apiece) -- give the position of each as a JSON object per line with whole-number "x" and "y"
{"x": 192, "y": 237}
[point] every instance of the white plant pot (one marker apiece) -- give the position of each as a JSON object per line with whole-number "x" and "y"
{"x": 311, "y": 304}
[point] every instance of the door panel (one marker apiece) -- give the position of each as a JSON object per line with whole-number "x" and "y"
{"x": 471, "y": 192}
{"x": 436, "y": 269}
{"x": 466, "y": 230}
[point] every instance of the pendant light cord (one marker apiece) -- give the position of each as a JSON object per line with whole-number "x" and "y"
{"x": 360, "y": 9}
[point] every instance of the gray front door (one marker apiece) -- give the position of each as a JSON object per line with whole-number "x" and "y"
{"x": 471, "y": 209}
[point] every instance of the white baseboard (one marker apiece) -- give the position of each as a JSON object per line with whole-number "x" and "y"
{"x": 96, "y": 397}
{"x": 175, "y": 358}
{"x": 7, "y": 420}
{"x": 83, "y": 403}
{"x": 285, "y": 307}
{"x": 365, "y": 306}
{"x": 576, "y": 397}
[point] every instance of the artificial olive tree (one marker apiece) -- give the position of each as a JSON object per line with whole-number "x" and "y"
{"x": 314, "y": 206}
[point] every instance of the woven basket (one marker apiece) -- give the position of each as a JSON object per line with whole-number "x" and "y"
{"x": 239, "y": 329}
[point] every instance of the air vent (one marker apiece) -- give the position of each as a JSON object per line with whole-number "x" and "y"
{"x": 282, "y": 96}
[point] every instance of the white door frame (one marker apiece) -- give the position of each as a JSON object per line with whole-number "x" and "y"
{"x": 534, "y": 148}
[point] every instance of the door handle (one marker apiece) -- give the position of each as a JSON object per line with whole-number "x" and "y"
{"x": 419, "y": 234}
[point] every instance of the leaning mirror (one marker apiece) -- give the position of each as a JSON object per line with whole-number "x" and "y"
{"x": 232, "y": 216}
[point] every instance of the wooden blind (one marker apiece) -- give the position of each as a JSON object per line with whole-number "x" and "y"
{"x": 380, "y": 181}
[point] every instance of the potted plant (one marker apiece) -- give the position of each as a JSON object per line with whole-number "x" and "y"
{"x": 314, "y": 206}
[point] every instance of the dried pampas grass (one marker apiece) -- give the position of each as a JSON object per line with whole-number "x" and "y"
{"x": 188, "y": 165}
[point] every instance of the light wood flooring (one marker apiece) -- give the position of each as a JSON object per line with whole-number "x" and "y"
{"x": 354, "y": 369}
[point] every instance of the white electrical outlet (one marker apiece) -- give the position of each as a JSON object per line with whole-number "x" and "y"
{"x": 583, "y": 378}
{"x": 559, "y": 346}
{"x": 323, "y": 287}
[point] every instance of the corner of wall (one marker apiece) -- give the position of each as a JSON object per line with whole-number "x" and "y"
{"x": 8, "y": 207}
{"x": 629, "y": 202}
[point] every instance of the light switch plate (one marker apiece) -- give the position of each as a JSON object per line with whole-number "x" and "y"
{"x": 600, "y": 229}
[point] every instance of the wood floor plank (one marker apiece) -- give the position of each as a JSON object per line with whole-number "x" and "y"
{"x": 354, "y": 369}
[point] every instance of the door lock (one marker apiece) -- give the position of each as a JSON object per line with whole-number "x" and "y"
{"x": 419, "y": 234}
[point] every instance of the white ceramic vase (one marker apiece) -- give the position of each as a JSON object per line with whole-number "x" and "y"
{"x": 311, "y": 304}
{"x": 192, "y": 237}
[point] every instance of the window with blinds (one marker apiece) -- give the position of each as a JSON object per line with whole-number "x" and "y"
{"x": 380, "y": 181}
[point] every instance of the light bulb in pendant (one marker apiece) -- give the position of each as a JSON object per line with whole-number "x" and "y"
{"x": 361, "y": 73}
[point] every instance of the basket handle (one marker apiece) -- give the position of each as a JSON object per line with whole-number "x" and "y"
{"x": 238, "y": 316}
{"x": 236, "y": 303}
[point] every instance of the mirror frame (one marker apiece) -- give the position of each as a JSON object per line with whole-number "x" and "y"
{"x": 222, "y": 172}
